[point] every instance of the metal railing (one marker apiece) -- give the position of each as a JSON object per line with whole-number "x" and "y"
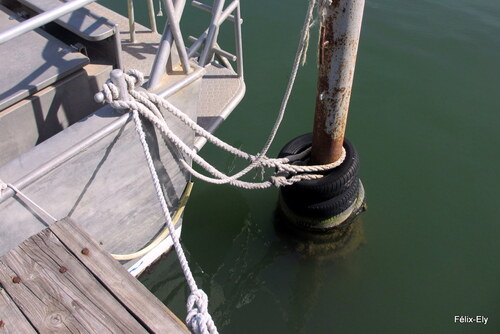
{"x": 206, "y": 42}
{"x": 131, "y": 18}
{"x": 209, "y": 36}
{"x": 41, "y": 19}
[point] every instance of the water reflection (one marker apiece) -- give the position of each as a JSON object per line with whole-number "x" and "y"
{"x": 318, "y": 253}
{"x": 315, "y": 246}
{"x": 280, "y": 268}
{"x": 271, "y": 271}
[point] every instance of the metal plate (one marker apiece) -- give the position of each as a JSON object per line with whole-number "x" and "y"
{"x": 32, "y": 61}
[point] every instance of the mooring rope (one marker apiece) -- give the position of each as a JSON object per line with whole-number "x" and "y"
{"x": 27, "y": 200}
{"x": 198, "y": 318}
{"x": 148, "y": 105}
{"x": 301, "y": 51}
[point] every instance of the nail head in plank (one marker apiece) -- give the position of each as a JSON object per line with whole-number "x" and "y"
{"x": 73, "y": 301}
{"x": 131, "y": 293}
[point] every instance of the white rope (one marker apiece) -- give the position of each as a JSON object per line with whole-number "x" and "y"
{"x": 19, "y": 193}
{"x": 303, "y": 43}
{"x": 322, "y": 9}
{"x": 288, "y": 171}
{"x": 198, "y": 318}
{"x": 148, "y": 105}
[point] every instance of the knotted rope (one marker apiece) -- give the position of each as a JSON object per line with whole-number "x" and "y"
{"x": 288, "y": 171}
{"x": 198, "y": 318}
{"x": 149, "y": 105}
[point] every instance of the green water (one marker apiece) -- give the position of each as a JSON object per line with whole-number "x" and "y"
{"x": 424, "y": 116}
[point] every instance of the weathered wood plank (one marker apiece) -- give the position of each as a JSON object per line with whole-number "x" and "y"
{"x": 11, "y": 318}
{"x": 135, "y": 297}
{"x": 57, "y": 294}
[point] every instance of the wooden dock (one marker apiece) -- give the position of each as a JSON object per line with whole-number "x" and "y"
{"x": 61, "y": 281}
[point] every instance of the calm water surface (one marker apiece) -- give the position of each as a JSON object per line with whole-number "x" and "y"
{"x": 424, "y": 116}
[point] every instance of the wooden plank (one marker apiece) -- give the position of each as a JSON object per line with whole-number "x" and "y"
{"x": 12, "y": 320}
{"x": 71, "y": 301}
{"x": 135, "y": 297}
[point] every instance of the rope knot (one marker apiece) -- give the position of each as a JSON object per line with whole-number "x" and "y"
{"x": 137, "y": 75}
{"x": 280, "y": 180}
{"x": 110, "y": 91}
{"x": 198, "y": 318}
{"x": 117, "y": 97}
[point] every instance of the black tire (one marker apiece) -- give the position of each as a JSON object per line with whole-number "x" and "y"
{"x": 333, "y": 183}
{"x": 325, "y": 209}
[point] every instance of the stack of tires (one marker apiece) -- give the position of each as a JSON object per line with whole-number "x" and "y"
{"x": 321, "y": 199}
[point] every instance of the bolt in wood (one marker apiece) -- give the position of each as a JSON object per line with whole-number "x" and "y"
{"x": 85, "y": 251}
{"x": 16, "y": 280}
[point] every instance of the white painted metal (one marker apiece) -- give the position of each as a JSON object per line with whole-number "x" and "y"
{"x": 131, "y": 20}
{"x": 41, "y": 19}
{"x": 151, "y": 12}
{"x": 164, "y": 49}
{"x": 173, "y": 22}
{"x": 213, "y": 32}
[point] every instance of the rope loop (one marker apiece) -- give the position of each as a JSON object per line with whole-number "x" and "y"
{"x": 198, "y": 318}
{"x": 110, "y": 91}
{"x": 289, "y": 169}
{"x": 138, "y": 76}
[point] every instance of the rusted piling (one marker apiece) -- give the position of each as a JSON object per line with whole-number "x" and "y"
{"x": 330, "y": 202}
{"x": 340, "y": 29}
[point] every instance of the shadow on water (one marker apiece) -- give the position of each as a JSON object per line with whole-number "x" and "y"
{"x": 248, "y": 274}
{"x": 239, "y": 270}
{"x": 426, "y": 75}
{"x": 317, "y": 246}
{"x": 318, "y": 253}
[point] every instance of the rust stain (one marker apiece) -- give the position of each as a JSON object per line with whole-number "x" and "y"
{"x": 337, "y": 49}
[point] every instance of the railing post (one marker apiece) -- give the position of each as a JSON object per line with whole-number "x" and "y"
{"x": 238, "y": 42}
{"x": 164, "y": 49}
{"x": 173, "y": 22}
{"x": 131, "y": 20}
{"x": 213, "y": 31}
{"x": 152, "y": 19}
{"x": 340, "y": 29}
